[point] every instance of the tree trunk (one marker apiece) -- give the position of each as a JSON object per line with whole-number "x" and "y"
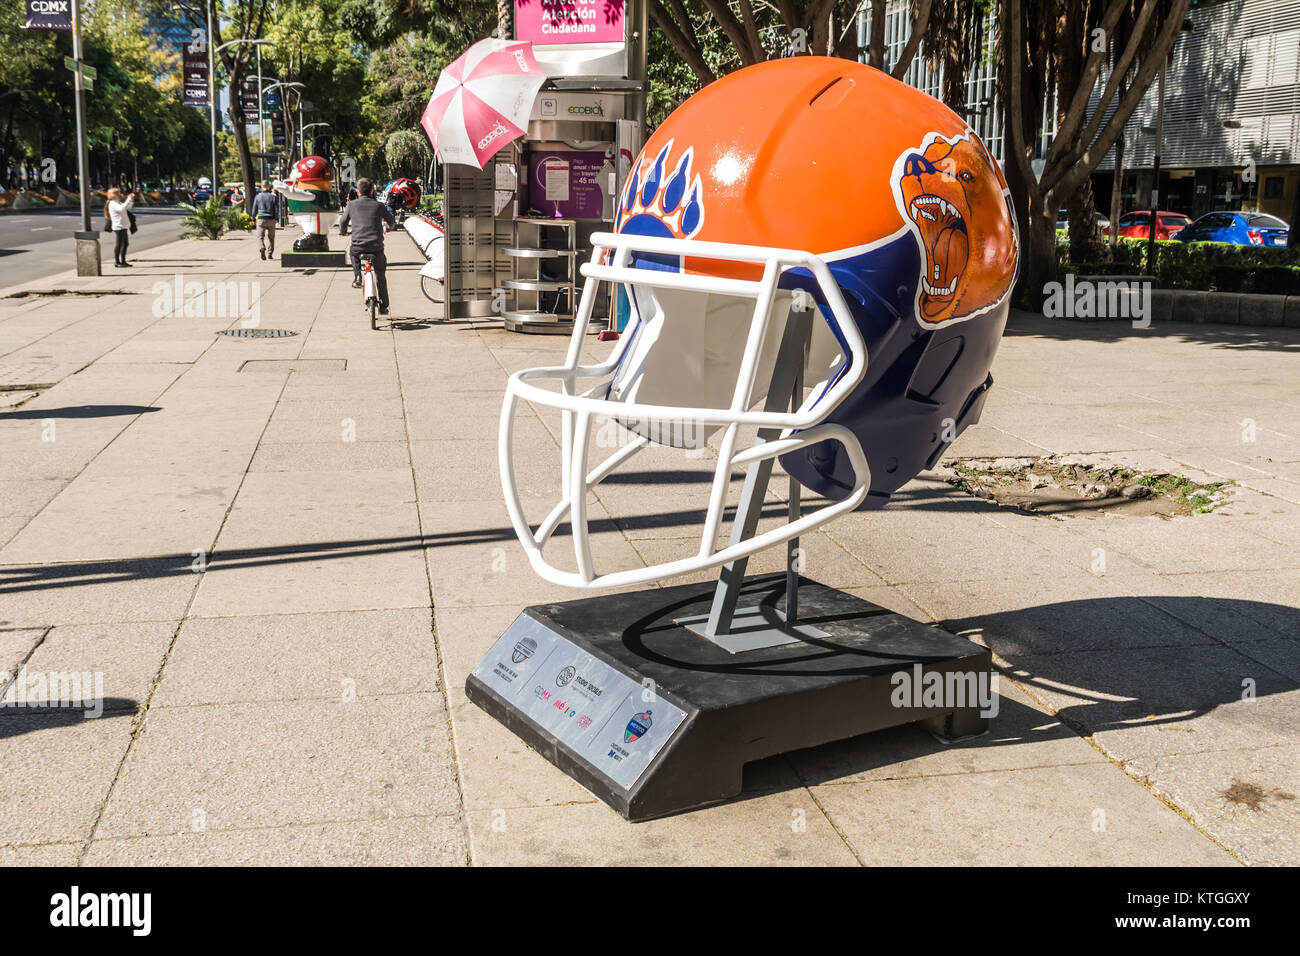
{"x": 876, "y": 42}
{"x": 237, "y": 118}
{"x": 505, "y": 20}
{"x": 1085, "y": 238}
{"x": 1117, "y": 192}
{"x": 1037, "y": 257}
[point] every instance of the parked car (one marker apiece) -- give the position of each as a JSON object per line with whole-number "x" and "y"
{"x": 1237, "y": 227}
{"x": 1137, "y": 225}
{"x": 1063, "y": 221}
{"x": 202, "y": 193}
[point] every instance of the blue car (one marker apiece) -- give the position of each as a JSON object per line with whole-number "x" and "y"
{"x": 1238, "y": 228}
{"x": 202, "y": 193}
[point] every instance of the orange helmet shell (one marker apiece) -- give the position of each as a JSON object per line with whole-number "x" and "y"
{"x": 833, "y": 157}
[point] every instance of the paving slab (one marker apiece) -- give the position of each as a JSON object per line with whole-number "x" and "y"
{"x": 282, "y": 657}
{"x": 768, "y": 829}
{"x": 16, "y": 643}
{"x": 26, "y": 497}
{"x": 59, "y": 766}
{"x": 269, "y": 764}
{"x": 97, "y": 592}
{"x": 117, "y": 664}
{"x": 1246, "y": 799}
{"x": 41, "y": 854}
{"x": 1164, "y": 700}
{"x": 1076, "y": 815}
{"x": 406, "y": 841}
{"x": 102, "y": 519}
{"x": 1021, "y": 735}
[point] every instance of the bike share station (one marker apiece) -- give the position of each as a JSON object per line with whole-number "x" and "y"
{"x": 517, "y": 230}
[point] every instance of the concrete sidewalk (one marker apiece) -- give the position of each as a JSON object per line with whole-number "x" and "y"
{"x": 285, "y": 555}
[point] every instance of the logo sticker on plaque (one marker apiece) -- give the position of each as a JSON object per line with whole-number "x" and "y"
{"x": 597, "y": 712}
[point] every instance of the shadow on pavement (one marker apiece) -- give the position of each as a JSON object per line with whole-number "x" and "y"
{"x": 18, "y": 720}
{"x": 81, "y": 411}
{"x": 1133, "y": 686}
{"x": 1273, "y": 338}
{"x": 31, "y": 577}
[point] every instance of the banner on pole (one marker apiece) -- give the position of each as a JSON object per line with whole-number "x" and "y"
{"x": 249, "y": 99}
{"x": 270, "y": 103}
{"x": 194, "y": 68}
{"x": 277, "y": 129}
{"x": 49, "y": 15}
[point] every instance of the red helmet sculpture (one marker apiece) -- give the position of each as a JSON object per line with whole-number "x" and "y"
{"x": 403, "y": 194}
{"x": 312, "y": 168}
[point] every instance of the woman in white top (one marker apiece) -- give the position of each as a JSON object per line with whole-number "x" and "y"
{"x": 118, "y": 215}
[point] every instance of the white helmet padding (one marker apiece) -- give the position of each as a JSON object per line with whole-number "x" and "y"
{"x": 686, "y": 351}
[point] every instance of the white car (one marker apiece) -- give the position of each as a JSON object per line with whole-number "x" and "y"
{"x": 1063, "y": 221}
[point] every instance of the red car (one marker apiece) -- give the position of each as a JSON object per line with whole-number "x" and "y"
{"x": 1137, "y": 225}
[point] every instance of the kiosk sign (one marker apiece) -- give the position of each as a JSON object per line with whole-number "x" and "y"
{"x": 569, "y": 21}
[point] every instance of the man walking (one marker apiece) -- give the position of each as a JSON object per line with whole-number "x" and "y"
{"x": 367, "y": 217}
{"x": 266, "y": 210}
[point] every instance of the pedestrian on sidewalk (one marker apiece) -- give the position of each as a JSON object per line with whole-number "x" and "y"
{"x": 118, "y": 214}
{"x": 368, "y": 218}
{"x": 266, "y": 209}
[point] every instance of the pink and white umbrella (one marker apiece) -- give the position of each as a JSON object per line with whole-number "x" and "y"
{"x": 482, "y": 101}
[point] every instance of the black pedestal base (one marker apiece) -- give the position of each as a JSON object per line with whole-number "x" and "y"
{"x": 329, "y": 259}
{"x": 654, "y": 719}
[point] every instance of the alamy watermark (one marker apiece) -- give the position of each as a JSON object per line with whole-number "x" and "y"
{"x": 209, "y": 300}
{"x": 931, "y": 689}
{"x": 69, "y": 690}
{"x": 1092, "y": 299}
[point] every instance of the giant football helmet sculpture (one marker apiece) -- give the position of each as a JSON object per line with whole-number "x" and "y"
{"x": 804, "y": 183}
{"x": 313, "y": 203}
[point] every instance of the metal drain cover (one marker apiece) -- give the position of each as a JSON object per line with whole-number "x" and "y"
{"x": 256, "y": 333}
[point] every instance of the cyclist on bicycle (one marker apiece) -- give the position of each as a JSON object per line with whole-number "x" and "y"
{"x": 368, "y": 218}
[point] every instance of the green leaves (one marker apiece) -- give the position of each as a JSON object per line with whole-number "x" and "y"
{"x": 206, "y": 221}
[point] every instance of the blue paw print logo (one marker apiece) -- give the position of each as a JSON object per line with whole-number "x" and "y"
{"x": 660, "y": 203}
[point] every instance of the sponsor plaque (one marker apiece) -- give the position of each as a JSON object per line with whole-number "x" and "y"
{"x": 601, "y": 715}
{"x": 653, "y": 719}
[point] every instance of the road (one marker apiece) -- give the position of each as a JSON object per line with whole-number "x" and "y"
{"x": 36, "y": 244}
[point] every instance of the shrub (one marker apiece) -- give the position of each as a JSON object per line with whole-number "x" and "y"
{"x": 237, "y": 220}
{"x": 205, "y": 221}
{"x": 1207, "y": 266}
{"x": 1267, "y": 280}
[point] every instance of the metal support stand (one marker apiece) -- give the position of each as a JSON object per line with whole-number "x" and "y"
{"x": 746, "y": 629}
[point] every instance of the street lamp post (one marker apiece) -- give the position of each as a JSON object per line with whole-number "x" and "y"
{"x": 212, "y": 98}
{"x": 86, "y": 240}
{"x": 1155, "y": 183}
{"x": 261, "y": 122}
